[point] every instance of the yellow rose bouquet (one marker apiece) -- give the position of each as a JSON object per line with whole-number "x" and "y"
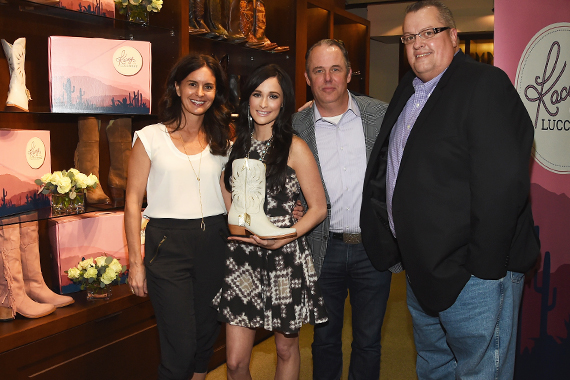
{"x": 97, "y": 275}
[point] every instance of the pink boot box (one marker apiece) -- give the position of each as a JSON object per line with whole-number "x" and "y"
{"x": 86, "y": 236}
{"x": 25, "y": 155}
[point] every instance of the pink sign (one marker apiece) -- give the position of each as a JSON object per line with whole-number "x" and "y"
{"x": 532, "y": 45}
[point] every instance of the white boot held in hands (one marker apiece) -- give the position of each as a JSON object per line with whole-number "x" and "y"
{"x": 18, "y": 94}
{"x": 246, "y": 215}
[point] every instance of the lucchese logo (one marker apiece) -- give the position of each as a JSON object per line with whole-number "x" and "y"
{"x": 127, "y": 60}
{"x": 543, "y": 82}
{"x": 35, "y": 152}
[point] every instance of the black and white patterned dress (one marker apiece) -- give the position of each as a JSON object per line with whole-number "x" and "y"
{"x": 273, "y": 289}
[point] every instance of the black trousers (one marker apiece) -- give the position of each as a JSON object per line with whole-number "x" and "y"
{"x": 184, "y": 271}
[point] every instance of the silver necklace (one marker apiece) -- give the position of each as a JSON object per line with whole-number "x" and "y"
{"x": 266, "y": 147}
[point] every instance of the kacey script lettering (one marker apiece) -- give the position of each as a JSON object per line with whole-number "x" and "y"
{"x": 124, "y": 61}
{"x": 544, "y": 89}
{"x": 34, "y": 152}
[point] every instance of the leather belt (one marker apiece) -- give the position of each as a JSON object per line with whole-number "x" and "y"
{"x": 346, "y": 237}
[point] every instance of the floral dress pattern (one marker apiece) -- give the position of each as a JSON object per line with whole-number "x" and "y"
{"x": 273, "y": 289}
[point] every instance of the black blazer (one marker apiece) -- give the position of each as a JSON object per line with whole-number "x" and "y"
{"x": 460, "y": 204}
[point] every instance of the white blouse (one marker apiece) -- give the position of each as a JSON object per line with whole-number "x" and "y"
{"x": 172, "y": 187}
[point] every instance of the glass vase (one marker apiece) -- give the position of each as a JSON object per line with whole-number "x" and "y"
{"x": 137, "y": 13}
{"x": 98, "y": 293}
{"x": 78, "y": 203}
{"x": 62, "y": 204}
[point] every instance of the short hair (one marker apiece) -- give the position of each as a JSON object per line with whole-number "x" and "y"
{"x": 328, "y": 42}
{"x": 445, "y": 15}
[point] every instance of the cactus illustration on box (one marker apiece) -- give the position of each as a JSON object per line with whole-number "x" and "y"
{"x": 80, "y": 96}
{"x": 68, "y": 90}
{"x": 4, "y": 194}
{"x": 544, "y": 290}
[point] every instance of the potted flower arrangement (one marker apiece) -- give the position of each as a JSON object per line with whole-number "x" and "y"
{"x": 138, "y": 10}
{"x": 67, "y": 189}
{"x": 97, "y": 275}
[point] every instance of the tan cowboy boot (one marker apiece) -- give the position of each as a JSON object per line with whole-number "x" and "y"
{"x": 87, "y": 156}
{"x": 235, "y": 34}
{"x": 214, "y": 20}
{"x": 13, "y": 297}
{"x": 18, "y": 94}
{"x": 119, "y": 137}
{"x": 194, "y": 28}
{"x": 34, "y": 283}
{"x": 246, "y": 215}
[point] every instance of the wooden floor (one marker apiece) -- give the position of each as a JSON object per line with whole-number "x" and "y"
{"x": 398, "y": 354}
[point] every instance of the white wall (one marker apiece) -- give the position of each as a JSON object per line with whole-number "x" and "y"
{"x": 383, "y": 70}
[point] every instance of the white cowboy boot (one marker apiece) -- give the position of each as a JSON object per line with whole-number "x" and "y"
{"x": 246, "y": 215}
{"x": 18, "y": 95}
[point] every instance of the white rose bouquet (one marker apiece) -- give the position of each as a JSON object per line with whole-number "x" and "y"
{"x": 69, "y": 182}
{"x": 97, "y": 273}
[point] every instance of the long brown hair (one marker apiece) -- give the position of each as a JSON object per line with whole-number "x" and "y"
{"x": 217, "y": 117}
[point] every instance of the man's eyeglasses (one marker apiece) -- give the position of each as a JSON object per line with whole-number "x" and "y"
{"x": 425, "y": 34}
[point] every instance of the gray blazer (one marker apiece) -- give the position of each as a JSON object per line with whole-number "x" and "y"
{"x": 372, "y": 113}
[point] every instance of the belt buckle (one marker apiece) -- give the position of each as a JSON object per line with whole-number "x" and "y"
{"x": 351, "y": 238}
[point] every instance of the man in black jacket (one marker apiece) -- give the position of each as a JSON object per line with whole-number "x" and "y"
{"x": 446, "y": 193}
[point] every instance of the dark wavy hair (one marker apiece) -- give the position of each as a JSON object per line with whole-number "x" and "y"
{"x": 276, "y": 158}
{"x": 217, "y": 118}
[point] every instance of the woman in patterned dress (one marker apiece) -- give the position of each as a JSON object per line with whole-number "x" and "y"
{"x": 271, "y": 283}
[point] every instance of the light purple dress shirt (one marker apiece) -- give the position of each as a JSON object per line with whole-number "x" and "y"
{"x": 400, "y": 133}
{"x": 342, "y": 157}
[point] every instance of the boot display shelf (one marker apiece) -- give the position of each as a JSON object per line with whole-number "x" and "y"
{"x": 45, "y": 213}
{"x": 110, "y": 333}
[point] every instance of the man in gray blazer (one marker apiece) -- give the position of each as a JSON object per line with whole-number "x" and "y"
{"x": 340, "y": 129}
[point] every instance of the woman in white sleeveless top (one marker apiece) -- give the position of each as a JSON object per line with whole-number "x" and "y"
{"x": 178, "y": 162}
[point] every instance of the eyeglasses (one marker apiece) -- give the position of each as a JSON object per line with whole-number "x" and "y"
{"x": 425, "y": 34}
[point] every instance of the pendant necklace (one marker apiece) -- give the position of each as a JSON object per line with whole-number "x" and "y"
{"x": 267, "y": 146}
{"x": 202, "y": 225}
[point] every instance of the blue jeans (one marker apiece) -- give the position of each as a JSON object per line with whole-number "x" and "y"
{"x": 473, "y": 339}
{"x": 346, "y": 268}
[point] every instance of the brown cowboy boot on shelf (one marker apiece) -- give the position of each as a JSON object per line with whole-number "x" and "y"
{"x": 34, "y": 283}
{"x": 194, "y": 27}
{"x": 119, "y": 137}
{"x": 235, "y": 34}
{"x": 247, "y": 23}
{"x": 87, "y": 156}
{"x": 200, "y": 13}
{"x": 260, "y": 25}
{"x": 214, "y": 20}
{"x": 13, "y": 297}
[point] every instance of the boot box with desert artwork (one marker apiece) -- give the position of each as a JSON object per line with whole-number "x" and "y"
{"x": 86, "y": 236}
{"x": 96, "y": 75}
{"x": 95, "y": 7}
{"x": 24, "y": 157}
